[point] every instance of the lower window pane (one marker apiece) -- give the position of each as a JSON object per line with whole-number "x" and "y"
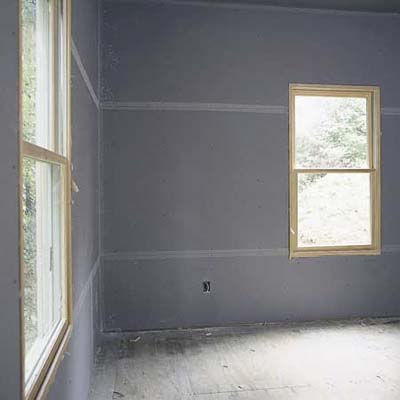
{"x": 334, "y": 209}
{"x": 42, "y": 221}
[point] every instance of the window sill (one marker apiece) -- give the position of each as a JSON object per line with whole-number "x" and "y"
{"x": 44, "y": 386}
{"x": 334, "y": 252}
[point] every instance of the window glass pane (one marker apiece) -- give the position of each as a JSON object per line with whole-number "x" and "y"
{"x": 334, "y": 209}
{"x": 36, "y": 72}
{"x": 331, "y": 132}
{"x": 42, "y": 221}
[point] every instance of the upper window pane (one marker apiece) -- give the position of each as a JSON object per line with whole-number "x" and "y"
{"x": 61, "y": 136}
{"x": 36, "y": 72}
{"x": 331, "y": 132}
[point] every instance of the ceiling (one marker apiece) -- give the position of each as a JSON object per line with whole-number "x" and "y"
{"x": 386, "y": 6}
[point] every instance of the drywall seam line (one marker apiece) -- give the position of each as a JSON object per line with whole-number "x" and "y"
{"x": 85, "y": 76}
{"x": 182, "y": 254}
{"x": 391, "y": 248}
{"x": 261, "y": 7}
{"x": 100, "y": 159}
{"x": 391, "y": 111}
{"x": 193, "y": 106}
{"x": 99, "y": 121}
{"x": 164, "y": 255}
{"x": 86, "y": 290}
{"x": 214, "y": 107}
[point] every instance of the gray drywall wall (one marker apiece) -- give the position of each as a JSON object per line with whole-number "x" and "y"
{"x": 85, "y": 173}
{"x": 72, "y": 381}
{"x": 206, "y": 178}
{"x": 73, "y": 377}
{"x": 9, "y": 276}
{"x": 148, "y": 294}
{"x": 85, "y": 32}
{"x": 194, "y": 195}
{"x": 175, "y": 53}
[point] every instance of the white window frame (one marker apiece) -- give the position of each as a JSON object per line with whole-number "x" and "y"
{"x": 372, "y": 95}
{"x": 55, "y": 153}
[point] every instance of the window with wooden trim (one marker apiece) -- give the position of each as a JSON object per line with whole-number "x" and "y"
{"x": 334, "y": 168}
{"x": 44, "y": 190}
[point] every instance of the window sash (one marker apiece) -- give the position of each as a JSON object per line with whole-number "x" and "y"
{"x": 372, "y": 195}
{"x": 56, "y": 336}
{"x": 43, "y": 360}
{"x": 373, "y": 130}
{"x": 55, "y": 151}
{"x": 50, "y": 77}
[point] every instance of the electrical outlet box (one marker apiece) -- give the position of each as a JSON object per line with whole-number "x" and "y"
{"x": 206, "y": 287}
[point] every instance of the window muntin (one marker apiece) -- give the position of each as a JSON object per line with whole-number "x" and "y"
{"x": 45, "y": 187}
{"x": 334, "y": 170}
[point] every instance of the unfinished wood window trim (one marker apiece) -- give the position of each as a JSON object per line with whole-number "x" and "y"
{"x": 54, "y": 155}
{"x": 41, "y": 154}
{"x": 372, "y": 96}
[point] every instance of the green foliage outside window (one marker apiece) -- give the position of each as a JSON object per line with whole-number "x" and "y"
{"x": 29, "y": 185}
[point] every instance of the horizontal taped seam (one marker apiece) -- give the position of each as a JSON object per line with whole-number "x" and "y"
{"x": 174, "y": 254}
{"x": 390, "y": 111}
{"x": 194, "y": 106}
{"x": 243, "y": 5}
{"x": 212, "y": 107}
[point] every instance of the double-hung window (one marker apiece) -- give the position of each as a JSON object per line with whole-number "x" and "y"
{"x": 334, "y": 168}
{"x": 45, "y": 189}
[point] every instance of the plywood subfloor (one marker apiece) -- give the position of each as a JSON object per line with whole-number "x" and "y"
{"x": 358, "y": 360}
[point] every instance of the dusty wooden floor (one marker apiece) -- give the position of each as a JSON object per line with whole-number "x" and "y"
{"x": 357, "y": 360}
